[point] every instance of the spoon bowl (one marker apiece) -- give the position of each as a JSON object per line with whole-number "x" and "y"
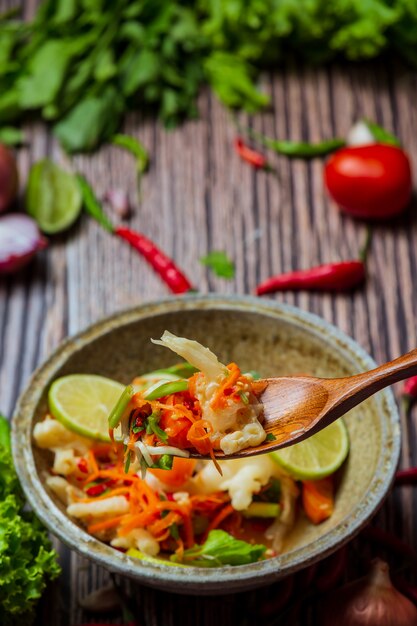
{"x": 296, "y": 407}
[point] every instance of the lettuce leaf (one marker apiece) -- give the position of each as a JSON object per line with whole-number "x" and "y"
{"x": 27, "y": 559}
{"x": 219, "y": 549}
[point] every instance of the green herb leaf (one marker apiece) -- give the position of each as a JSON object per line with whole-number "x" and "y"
{"x": 53, "y": 197}
{"x": 270, "y": 437}
{"x": 221, "y": 548}
{"x": 46, "y": 71}
{"x": 91, "y": 121}
{"x": 220, "y": 264}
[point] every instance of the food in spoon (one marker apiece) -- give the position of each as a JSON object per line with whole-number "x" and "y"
{"x": 214, "y": 409}
{"x": 181, "y": 510}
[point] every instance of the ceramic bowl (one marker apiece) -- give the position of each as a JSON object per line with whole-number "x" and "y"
{"x": 272, "y": 338}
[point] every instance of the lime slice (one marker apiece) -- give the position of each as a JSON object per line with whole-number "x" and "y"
{"x": 53, "y": 197}
{"x": 83, "y": 402}
{"x": 318, "y": 456}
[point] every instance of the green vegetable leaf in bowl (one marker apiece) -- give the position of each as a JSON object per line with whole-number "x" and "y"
{"x": 219, "y": 549}
{"x": 27, "y": 559}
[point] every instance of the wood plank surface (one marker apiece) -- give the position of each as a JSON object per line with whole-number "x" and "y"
{"x": 198, "y": 196}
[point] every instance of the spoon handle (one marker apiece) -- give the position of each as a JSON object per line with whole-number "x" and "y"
{"x": 361, "y": 386}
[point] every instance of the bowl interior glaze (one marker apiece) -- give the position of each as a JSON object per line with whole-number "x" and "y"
{"x": 273, "y": 339}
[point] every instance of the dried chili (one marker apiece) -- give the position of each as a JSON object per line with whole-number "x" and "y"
{"x": 161, "y": 263}
{"x": 342, "y": 276}
{"x": 251, "y": 156}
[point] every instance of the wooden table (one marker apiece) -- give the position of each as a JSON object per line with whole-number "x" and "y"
{"x": 198, "y": 196}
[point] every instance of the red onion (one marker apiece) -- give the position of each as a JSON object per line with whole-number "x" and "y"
{"x": 8, "y": 178}
{"x": 370, "y": 601}
{"x": 20, "y": 239}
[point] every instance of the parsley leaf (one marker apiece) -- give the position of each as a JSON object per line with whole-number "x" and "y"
{"x": 220, "y": 264}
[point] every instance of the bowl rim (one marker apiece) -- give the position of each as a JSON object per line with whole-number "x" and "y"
{"x": 202, "y": 580}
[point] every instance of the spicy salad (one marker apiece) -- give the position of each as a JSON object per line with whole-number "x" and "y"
{"x": 137, "y": 490}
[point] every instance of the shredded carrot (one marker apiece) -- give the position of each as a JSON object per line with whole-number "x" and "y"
{"x": 109, "y": 523}
{"x": 219, "y": 399}
{"x": 93, "y": 461}
{"x": 114, "y": 492}
{"x": 225, "y": 512}
{"x": 199, "y": 436}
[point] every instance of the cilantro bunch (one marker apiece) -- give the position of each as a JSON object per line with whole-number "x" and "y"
{"x": 26, "y": 557}
{"x": 82, "y": 64}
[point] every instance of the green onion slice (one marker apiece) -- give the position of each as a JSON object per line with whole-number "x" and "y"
{"x": 161, "y": 389}
{"x": 118, "y": 411}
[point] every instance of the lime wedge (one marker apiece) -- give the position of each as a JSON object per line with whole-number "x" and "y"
{"x": 83, "y": 402}
{"x": 53, "y": 197}
{"x": 318, "y": 456}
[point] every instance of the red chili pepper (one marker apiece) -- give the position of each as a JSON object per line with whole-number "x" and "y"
{"x": 162, "y": 264}
{"x": 409, "y": 393}
{"x": 406, "y": 476}
{"x": 341, "y": 276}
{"x": 253, "y": 157}
{"x": 96, "y": 490}
{"x": 83, "y": 465}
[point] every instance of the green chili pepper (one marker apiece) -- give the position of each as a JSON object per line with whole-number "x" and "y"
{"x": 134, "y": 147}
{"x": 302, "y": 150}
{"x": 92, "y": 205}
{"x": 117, "y": 412}
{"x": 165, "y": 389}
{"x": 381, "y": 135}
{"x": 297, "y": 149}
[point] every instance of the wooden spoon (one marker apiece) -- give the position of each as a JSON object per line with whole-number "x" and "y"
{"x": 296, "y": 407}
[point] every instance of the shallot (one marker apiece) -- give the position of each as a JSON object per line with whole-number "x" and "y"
{"x": 369, "y": 601}
{"x": 8, "y": 178}
{"x": 20, "y": 239}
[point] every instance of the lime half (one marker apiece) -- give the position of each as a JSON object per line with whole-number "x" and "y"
{"x": 83, "y": 402}
{"x": 318, "y": 456}
{"x": 53, "y": 197}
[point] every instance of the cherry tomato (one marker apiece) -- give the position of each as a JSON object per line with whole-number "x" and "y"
{"x": 372, "y": 181}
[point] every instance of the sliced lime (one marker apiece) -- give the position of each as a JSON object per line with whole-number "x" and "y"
{"x": 318, "y": 456}
{"x": 83, "y": 402}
